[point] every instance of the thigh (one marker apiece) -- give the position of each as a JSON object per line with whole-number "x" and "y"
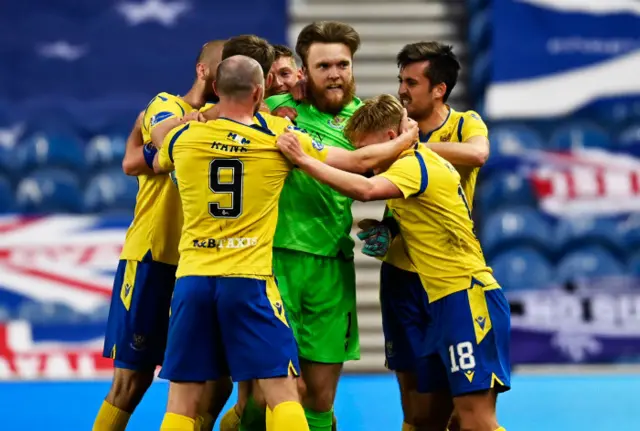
{"x": 290, "y": 279}
{"x": 136, "y": 333}
{"x": 425, "y": 410}
{"x": 328, "y": 330}
{"x": 258, "y": 341}
{"x": 474, "y": 339}
{"x": 194, "y": 350}
{"x": 403, "y": 304}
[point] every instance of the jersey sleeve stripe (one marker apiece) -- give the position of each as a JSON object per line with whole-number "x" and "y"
{"x": 424, "y": 175}
{"x": 460, "y": 124}
{"x": 174, "y": 139}
{"x": 181, "y": 108}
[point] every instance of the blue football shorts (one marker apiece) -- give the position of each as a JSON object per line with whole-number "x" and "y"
{"x": 459, "y": 343}
{"x": 138, "y": 320}
{"x": 221, "y": 326}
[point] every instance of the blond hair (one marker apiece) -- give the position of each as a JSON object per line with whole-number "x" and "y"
{"x": 376, "y": 114}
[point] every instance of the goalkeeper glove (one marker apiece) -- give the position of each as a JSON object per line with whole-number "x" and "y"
{"x": 376, "y": 237}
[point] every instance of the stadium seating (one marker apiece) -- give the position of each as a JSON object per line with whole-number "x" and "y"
{"x": 50, "y": 151}
{"x": 522, "y": 268}
{"x": 591, "y": 262}
{"x": 575, "y": 136}
{"x": 6, "y": 196}
{"x": 104, "y": 151}
{"x": 506, "y": 189}
{"x": 111, "y": 191}
{"x": 516, "y": 227}
{"x": 575, "y": 233}
{"x": 49, "y": 191}
{"x": 629, "y": 140}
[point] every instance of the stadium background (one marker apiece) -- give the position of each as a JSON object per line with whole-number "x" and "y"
{"x": 556, "y": 207}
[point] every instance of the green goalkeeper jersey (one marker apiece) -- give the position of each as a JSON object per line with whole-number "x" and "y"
{"x": 313, "y": 217}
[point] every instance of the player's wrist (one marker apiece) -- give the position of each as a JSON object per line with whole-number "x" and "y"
{"x": 392, "y": 225}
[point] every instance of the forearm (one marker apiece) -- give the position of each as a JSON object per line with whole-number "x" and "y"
{"x": 351, "y": 185}
{"x": 372, "y": 156}
{"x": 160, "y": 131}
{"x": 157, "y": 168}
{"x": 461, "y": 153}
{"x": 134, "y": 162}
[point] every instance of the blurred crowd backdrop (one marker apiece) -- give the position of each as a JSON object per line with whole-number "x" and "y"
{"x": 557, "y": 203}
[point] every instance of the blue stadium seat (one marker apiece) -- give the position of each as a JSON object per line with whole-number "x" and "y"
{"x": 575, "y": 233}
{"x": 475, "y": 6}
{"x": 634, "y": 265}
{"x": 522, "y": 268}
{"x": 580, "y": 135}
{"x": 481, "y": 73}
{"x": 6, "y": 196}
{"x": 593, "y": 261}
{"x": 53, "y": 151}
{"x": 629, "y": 140}
{"x": 516, "y": 227}
{"x": 513, "y": 139}
{"x": 111, "y": 191}
{"x": 49, "y": 191}
{"x": 506, "y": 189}
{"x": 105, "y": 151}
{"x": 479, "y": 32}
{"x": 629, "y": 232}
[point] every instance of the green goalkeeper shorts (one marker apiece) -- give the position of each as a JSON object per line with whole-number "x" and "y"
{"x": 319, "y": 295}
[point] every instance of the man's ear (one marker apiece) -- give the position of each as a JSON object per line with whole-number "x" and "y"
{"x": 269, "y": 81}
{"x": 392, "y": 134}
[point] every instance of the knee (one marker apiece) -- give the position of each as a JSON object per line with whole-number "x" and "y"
{"x": 319, "y": 399}
{"x": 425, "y": 421}
{"x": 128, "y": 388}
{"x": 259, "y": 397}
{"x": 454, "y": 423}
{"x": 224, "y": 388}
{"x": 302, "y": 388}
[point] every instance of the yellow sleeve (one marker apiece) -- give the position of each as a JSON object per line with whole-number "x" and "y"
{"x": 206, "y": 107}
{"x": 471, "y": 125}
{"x": 165, "y": 154}
{"x": 409, "y": 174}
{"x": 312, "y": 147}
{"x": 159, "y": 109}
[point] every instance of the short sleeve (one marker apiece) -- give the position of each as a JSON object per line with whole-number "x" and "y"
{"x": 312, "y": 147}
{"x": 409, "y": 174}
{"x": 280, "y": 100}
{"x": 160, "y": 108}
{"x": 472, "y": 125}
{"x": 165, "y": 154}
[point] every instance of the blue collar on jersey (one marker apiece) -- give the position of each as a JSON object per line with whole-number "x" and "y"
{"x": 262, "y": 127}
{"x": 424, "y": 137}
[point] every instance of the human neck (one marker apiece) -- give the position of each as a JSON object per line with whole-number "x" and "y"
{"x": 242, "y": 113}
{"x": 435, "y": 120}
{"x": 195, "y": 97}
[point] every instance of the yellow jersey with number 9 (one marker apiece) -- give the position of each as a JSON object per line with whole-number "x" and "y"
{"x": 435, "y": 223}
{"x": 458, "y": 127}
{"x": 157, "y": 220}
{"x": 230, "y": 176}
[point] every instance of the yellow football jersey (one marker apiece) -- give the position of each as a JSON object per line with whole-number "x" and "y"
{"x": 157, "y": 220}
{"x": 458, "y": 127}
{"x": 435, "y": 223}
{"x": 230, "y": 176}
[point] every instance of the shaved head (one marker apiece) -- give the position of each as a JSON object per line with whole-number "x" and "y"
{"x": 238, "y": 77}
{"x": 206, "y": 65}
{"x": 211, "y": 53}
